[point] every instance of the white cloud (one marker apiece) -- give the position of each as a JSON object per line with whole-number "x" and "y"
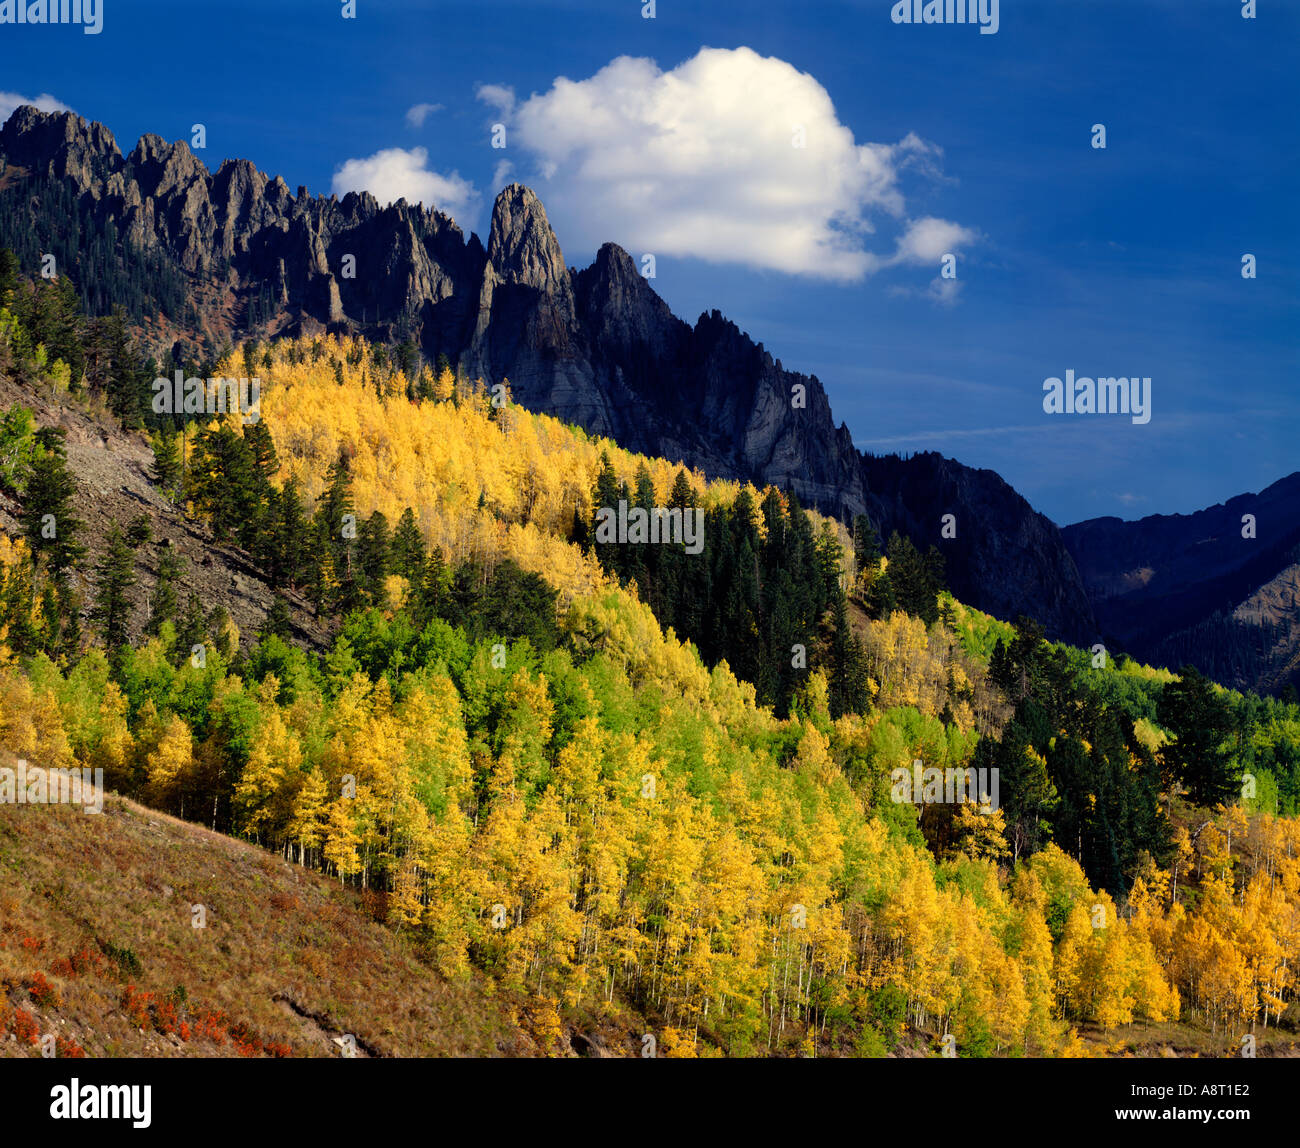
{"x": 497, "y": 96}
{"x": 11, "y": 101}
{"x": 418, "y": 113}
{"x": 701, "y": 161}
{"x": 928, "y": 240}
{"x": 501, "y": 173}
{"x": 941, "y": 435}
{"x": 945, "y": 292}
{"x": 397, "y": 173}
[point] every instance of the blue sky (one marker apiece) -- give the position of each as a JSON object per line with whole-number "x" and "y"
{"x": 1124, "y": 261}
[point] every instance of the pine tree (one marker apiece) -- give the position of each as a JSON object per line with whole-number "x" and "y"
{"x": 916, "y": 579}
{"x": 289, "y": 541}
{"x": 192, "y": 630}
{"x": 336, "y": 519}
{"x": 222, "y": 628}
{"x": 866, "y": 543}
{"x": 278, "y": 620}
{"x": 70, "y": 612}
{"x": 17, "y": 602}
{"x": 51, "y": 620}
{"x": 166, "y": 469}
{"x": 433, "y": 588}
{"x": 407, "y": 557}
{"x": 165, "y": 598}
{"x": 848, "y": 678}
{"x": 114, "y": 578}
{"x": 225, "y": 485}
{"x": 261, "y": 449}
{"x": 47, "y": 517}
{"x": 139, "y": 532}
{"x": 1199, "y": 752}
{"x": 373, "y": 545}
{"x": 605, "y": 496}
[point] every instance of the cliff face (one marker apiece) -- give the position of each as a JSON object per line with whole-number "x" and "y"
{"x": 1005, "y": 556}
{"x": 1206, "y": 588}
{"x": 596, "y": 347}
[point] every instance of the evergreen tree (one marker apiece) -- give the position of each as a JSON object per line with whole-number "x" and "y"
{"x": 336, "y": 518}
{"x": 373, "y": 546}
{"x": 9, "y": 276}
{"x": 278, "y": 620}
{"x": 114, "y": 578}
{"x": 225, "y": 485}
{"x": 289, "y": 538}
{"x": 1201, "y": 725}
{"x": 17, "y": 602}
{"x": 407, "y": 557}
{"x": 139, "y": 532}
{"x": 70, "y": 615}
{"x": 166, "y": 469}
{"x": 605, "y": 495}
{"x": 165, "y": 598}
{"x": 222, "y": 629}
{"x": 848, "y": 676}
{"x": 47, "y": 518}
{"x": 261, "y": 450}
{"x": 866, "y": 543}
{"x": 915, "y": 579}
{"x": 192, "y": 630}
{"x": 432, "y": 587}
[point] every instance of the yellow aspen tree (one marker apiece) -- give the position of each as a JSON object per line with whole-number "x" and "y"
{"x": 168, "y": 764}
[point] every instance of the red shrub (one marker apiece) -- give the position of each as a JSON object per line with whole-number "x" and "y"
{"x": 213, "y": 1026}
{"x": 84, "y": 961}
{"x": 42, "y": 991}
{"x": 164, "y": 1018}
{"x": 68, "y": 1049}
{"x": 136, "y": 1006}
{"x": 24, "y": 1026}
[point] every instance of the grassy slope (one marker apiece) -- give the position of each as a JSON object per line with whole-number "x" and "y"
{"x": 292, "y": 956}
{"x": 288, "y": 953}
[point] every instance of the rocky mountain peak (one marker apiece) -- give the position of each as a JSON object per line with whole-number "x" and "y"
{"x": 596, "y": 347}
{"x": 60, "y": 144}
{"x": 162, "y": 167}
{"x": 522, "y": 248}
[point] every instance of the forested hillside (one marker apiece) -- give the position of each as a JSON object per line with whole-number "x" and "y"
{"x": 635, "y": 786}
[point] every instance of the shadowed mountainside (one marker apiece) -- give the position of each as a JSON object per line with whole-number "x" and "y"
{"x": 201, "y": 259}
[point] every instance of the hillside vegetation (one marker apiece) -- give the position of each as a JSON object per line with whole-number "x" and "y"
{"x": 98, "y": 947}
{"x": 552, "y": 795}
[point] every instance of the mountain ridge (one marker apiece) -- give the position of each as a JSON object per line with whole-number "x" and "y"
{"x": 596, "y": 346}
{"x": 1202, "y": 587}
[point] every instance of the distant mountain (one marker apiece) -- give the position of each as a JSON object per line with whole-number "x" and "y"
{"x": 1175, "y": 588}
{"x": 200, "y": 259}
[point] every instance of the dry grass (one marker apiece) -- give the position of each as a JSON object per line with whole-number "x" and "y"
{"x": 1186, "y": 1039}
{"x": 287, "y": 963}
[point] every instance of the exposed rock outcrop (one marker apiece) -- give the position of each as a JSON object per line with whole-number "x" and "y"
{"x": 596, "y": 347}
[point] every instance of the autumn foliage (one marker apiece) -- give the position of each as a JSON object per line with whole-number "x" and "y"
{"x": 611, "y": 827}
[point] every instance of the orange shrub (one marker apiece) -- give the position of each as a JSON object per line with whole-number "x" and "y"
{"x": 24, "y": 1026}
